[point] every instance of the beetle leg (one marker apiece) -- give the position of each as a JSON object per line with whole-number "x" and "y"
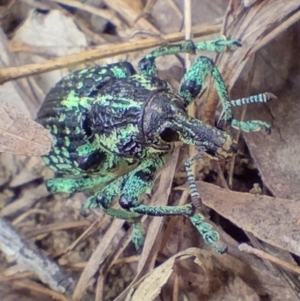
{"x": 195, "y": 195}
{"x": 219, "y": 44}
{"x": 104, "y": 200}
{"x": 140, "y": 180}
{"x": 193, "y": 80}
{"x": 146, "y": 65}
{"x": 251, "y": 125}
{"x": 192, "y": 86}
{"x": 71, "y": 185}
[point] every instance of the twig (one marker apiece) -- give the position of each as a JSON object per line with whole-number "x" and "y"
{"x": 146, "y": 11}
{"x": 91, "y": 229}
{"x": 105, "y": 51}
{"x": 96, "y": 259}
{"x": 128, "y": 12}
{"x": 259, "y": 253}
{"x": 13, "y": 245}
{"x": 105, "y": 14}
{"x": 187, "y": 28}
{"x": 57, "y": 226}
{"x": 36, "y": 288}
{"x": 175, "y": 8}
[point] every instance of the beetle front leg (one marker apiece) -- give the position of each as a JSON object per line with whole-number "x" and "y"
{"x": 192, "y": 86}
{"x": 251, "y": 125}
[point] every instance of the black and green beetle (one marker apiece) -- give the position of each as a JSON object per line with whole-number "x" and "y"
{"x": 113, "y": 129}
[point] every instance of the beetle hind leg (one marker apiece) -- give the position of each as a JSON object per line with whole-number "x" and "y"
{"x": 140, "y": 180}
{"x": 104, "y": 200}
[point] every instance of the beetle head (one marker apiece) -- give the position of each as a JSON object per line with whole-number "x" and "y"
{"x": 165, "y": 121}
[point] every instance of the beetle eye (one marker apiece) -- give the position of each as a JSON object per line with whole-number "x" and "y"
{"x": 169, "y": 135}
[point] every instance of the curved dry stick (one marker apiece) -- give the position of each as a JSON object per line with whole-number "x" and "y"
{"x": 13, "y": 245}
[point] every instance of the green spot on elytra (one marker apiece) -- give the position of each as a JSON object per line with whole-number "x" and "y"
{"x": 54, "y": 159}
{"x": 62, "y": 117}
{"x": 61, "y": 159}
{"x": 84, "y": 150}
{"x": 70, "y": 102}
{"x": 103, "y": 71}
{"x": 54, "y": 129}
{"x": 80, "y": 85}
{"x": 54, "y": 139}
{"x": 54, "y": 168}
{"x": 118, "y": 72}
{"x": 82, "y": 72}
{"x": 46, "y": 160}
{"x": 65, "y": 152}
{"x": 62, "y": 166}
{"x": 67, "y": 141}
{"x": 56, "y": 150}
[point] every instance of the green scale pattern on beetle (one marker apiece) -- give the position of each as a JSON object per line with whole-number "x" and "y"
{"x": 113, "y": 128}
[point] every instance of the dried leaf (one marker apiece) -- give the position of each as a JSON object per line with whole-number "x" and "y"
{"x": 273, "y": 220}
{"x": 277, "y": 155}
{"x": 20, "y": 135}
{"x": 275, "y": 69}
{"x": 96, "y": 259}
{"x": 258, "y": 275}
{"x": 255, "y": 26}
{"x": 206, "y": 276}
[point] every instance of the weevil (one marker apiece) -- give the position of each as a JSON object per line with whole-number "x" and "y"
{"x": 114, "y": 127}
